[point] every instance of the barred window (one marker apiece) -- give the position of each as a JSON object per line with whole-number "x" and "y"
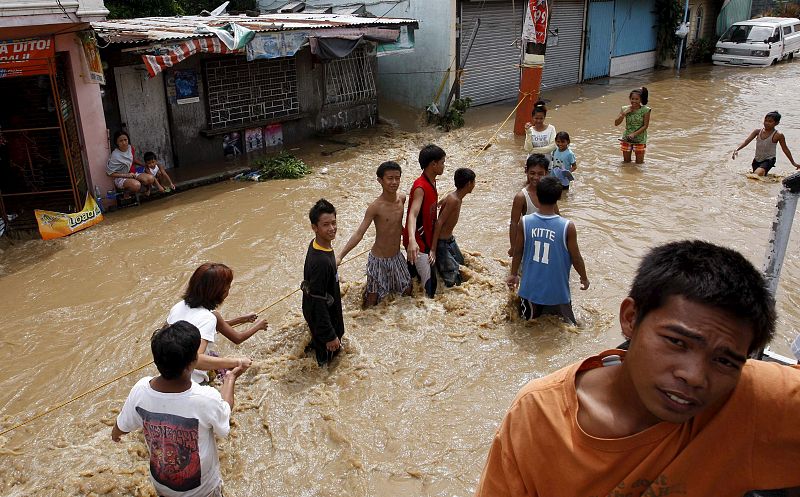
{"x": 242, "y": 92}
{"x": 350, "y": 80}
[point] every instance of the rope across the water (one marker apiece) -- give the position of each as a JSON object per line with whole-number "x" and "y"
{"x": 138, "y": 368}
{"x": 123, "y": 375}
{"x": 525, "y": 96}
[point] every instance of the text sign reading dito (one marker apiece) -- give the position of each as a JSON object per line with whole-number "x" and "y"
{"x": 26, "y": 57}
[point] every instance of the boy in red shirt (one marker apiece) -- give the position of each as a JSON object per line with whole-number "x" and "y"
{"x": 421, "y": 218}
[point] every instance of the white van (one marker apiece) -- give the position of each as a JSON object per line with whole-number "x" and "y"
{"x": 758, "y": 42}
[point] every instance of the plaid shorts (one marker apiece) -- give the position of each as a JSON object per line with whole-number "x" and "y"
{"x": 632, "y": 147}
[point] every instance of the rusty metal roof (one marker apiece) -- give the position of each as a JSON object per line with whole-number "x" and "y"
{"x": 185, "y": 27}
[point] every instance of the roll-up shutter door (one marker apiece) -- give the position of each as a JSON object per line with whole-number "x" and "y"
{"x": 492, "y": 72}
{"x": 562, "y": 60}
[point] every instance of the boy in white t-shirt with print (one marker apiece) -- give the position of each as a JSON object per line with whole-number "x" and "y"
{"x": 564, "y": 163}
{"x": 179, "y": 417}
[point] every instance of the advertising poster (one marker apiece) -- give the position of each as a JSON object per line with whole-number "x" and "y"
{"x": 57, "y": 224}
{"x": 273, "y": 135}
{"x": 186, "y": 91}
{"x": 26, "y": 57}
{"x": 91, "y": 56}
{"x": 535, "y": 28}
{"x": 253, "y": 139}
{"x": 232, "y": 144}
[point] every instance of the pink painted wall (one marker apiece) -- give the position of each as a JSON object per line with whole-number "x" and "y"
{"x": 89, "y": 110}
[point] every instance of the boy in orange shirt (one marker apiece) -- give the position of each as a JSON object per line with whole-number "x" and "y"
{"x": 683, "y": 411}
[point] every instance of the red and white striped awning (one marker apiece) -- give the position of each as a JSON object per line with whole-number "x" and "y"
{"x": 183, "y": 50}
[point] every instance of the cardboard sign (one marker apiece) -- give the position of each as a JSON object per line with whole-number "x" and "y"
{"x": 26, "y": 57}
{"x": 57, "y": 224}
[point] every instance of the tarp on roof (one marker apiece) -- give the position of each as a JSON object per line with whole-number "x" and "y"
{"x": 155, "y": 29}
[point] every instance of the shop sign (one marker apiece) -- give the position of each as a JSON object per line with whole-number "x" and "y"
{"x": 26, "y": 57}
{"x": 57, "y": 224}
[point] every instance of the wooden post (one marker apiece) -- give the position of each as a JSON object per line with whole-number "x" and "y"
{"x": 530, "y": 84}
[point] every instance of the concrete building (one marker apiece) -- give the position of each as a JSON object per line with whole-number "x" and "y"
{"x": 181, "y": 92}
{"x": 52, "y": 132}
{"x": 587, "y": 39}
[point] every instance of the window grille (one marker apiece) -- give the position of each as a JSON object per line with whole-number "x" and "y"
{"x": 242, "y": 92}
{"x": 350, "y": 80}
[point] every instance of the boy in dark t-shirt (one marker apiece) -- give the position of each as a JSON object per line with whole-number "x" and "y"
{"x": 322, "y": 299}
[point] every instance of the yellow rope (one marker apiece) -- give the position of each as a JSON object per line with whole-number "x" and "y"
{"x": 123, "y": 375}
{"x": 59, "y": 406}
{"x": 488, "y": 143}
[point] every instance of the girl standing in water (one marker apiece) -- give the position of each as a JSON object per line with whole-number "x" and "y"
{"x": 540, "y": 138}
{"x": 637, "y": 119}
{"x": 766, "y": 140}
{"x": 208, "y": 287}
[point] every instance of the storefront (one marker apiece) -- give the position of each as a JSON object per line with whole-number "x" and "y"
{"x": 53, "y": 143}
{"x": 41, "y": 164}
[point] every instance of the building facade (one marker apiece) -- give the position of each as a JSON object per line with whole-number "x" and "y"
{"x": 193, "y": 100}
{"x": 587, "y": 39}
{"x": 52, "y": 132}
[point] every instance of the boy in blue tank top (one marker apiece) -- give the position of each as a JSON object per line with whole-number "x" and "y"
{"x": 545, "y": 247}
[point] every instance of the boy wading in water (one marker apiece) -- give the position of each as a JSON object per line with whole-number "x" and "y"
{"x": 421, "y": 218}
{"x": 322, "y": 298}
{"x": 546, "y": 246}
{"x": 448, "y": 256}
{"x": 766, "y": 140}
{"x": 387, "y": 271}
{"x": 179, "y": 418}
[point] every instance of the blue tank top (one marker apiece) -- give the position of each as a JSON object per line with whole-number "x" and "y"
{"x": 545, "y": 261}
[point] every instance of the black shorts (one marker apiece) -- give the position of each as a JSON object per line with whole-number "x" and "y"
{"x": 528, "y": 310}
{"x": 765, "y": 164}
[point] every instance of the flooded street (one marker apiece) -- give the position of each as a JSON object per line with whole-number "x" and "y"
{"x": 411, "y": 408}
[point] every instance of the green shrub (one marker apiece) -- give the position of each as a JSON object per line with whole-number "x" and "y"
{"x": 282, "y": 166}
{"x": 669, "y": 14}
{"x": 455, "y": 115}
{"x": 700, "y": 50}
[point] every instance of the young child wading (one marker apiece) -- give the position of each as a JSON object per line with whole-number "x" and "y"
{"x": 179, "y": 418}
{"x": 546, "y": 246}
{"x": 448, "y": 256}
{"x": 766, "y": 139}
{"x": 387, "y": 271}
{"x": 322, "y": 297}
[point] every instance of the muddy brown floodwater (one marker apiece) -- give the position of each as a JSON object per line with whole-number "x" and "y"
{"x": 411, "y": 408}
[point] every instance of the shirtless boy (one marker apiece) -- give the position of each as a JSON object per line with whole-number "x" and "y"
{"x": 448, "y": 256}
{"x": 387, "y": 271}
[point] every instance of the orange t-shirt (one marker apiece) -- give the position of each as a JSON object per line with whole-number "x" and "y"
{"x": 751, "y": 442}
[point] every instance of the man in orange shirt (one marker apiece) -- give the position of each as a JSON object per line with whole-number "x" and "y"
{"x": 682, "y": 412}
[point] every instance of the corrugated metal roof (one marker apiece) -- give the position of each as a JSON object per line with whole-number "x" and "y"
{"x": 185, "y": 27}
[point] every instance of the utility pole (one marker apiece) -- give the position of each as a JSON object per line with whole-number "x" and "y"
{"x": 776, "y": 250}
{"x": 534, "y": 42}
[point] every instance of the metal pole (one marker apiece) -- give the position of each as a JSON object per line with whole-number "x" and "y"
{"x": 680, "y": 47}
{"x": 460, "y": 69}
{"x": 779, "y": 238}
